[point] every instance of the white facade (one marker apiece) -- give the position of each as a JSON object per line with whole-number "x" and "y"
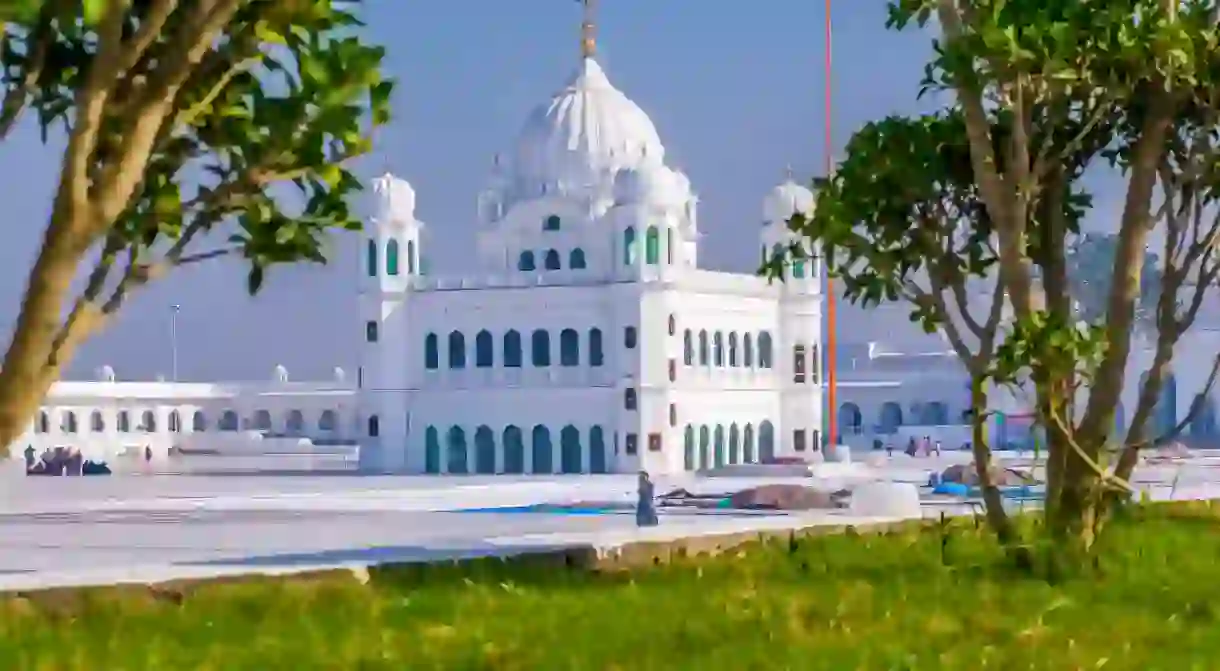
{"x": 108, "y": 419}
{"x": 588, "y": 339}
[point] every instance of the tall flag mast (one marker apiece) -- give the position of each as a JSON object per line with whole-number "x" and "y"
{"x": 832, "y": 406}
{"x": 588, "y": 29}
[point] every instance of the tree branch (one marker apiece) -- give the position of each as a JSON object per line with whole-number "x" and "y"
{"x": 141, "y": 125}
{"x": 39, "y": 42}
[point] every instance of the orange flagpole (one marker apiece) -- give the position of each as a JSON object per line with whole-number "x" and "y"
{"x": 831, "y": 341}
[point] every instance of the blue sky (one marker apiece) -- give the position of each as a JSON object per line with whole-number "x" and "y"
{"x": 735, "y": 93}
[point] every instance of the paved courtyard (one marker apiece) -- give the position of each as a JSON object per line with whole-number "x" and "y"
{"x": 95, "y": 530}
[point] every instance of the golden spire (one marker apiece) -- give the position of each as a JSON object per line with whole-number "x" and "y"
{"x": 588, "y": 30}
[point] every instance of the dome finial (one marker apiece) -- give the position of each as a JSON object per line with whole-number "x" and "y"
{"x": 588, "y": 30}
{"x": 788, "y": 172}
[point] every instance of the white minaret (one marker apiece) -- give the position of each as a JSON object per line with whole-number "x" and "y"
{"x": 390, "y": 261}
{"x": 798, "y": 347}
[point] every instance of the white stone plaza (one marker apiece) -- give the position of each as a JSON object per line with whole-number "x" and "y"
{"x": 135, "y": 528}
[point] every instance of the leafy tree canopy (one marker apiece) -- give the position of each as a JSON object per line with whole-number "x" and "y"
{"x": 196, "y": 129}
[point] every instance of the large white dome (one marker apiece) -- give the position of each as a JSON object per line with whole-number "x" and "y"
{"x": 587, "y": 132}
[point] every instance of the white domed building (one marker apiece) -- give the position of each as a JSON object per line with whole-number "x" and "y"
{"x": 589, "y": 339}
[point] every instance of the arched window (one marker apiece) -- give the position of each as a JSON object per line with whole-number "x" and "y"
{"x": 669, "y": 246}
{"x": 629, "y": 246}
{"x": 97, "y": 423}
{"x": 576, "y": 259}
{"x": 484, "y": 451}
{"x": 652, "y": 246}
{"x": 551, "y": 261}
{"x": 570, "y": 451}
{"x": 371, "y": 257}
{"x": 374, "y": 426}
{"x": 327, "y": 421}
{"x": 569, "y": 348}
{"x": 295, "y": 422}
{"x": 540, "y": 348}
{"x": 455, "y": 452}
{"x": 514, "y": 450}
{"x": 262, "y": 420}
{"x": 551, "y": 223}
{"x": 766, "y": 440}
{"x": 688, "y": 348}
{"x": 747, "y": 351}
{"x": 703, "y": 351}
{"x": 525, "y": 262}
{"x": 732, "y": 349}
{"x": 688, "y": 448}
{"x": 228, "y": 421}
{"x": 432, "y": 355}
{"x": 411, "y": 264}
{"x": 597, "y": 450}
{"x": 199, "y": 422}
{"x": 815, "y": 366}
{"x": 764, "y": 350}
{"x": 718, "y": 349}
{"x": 148, "y": 421}
{"x": 122, "y": 422}
{"x": 540, "y": 448}
{"x": 457, "y": 349}
{"x": 512, "y": 349}
{"x": 798, "y": 267}
{"x": 175, "y": 422}
{"x": 432, "y": 450}
{"x": 391, "y": 258}
{"x": 596, "y": 356}
{"x": 69, "y": 422}
{"x": 483, "y": 350}
{"x": 43, "y": 424}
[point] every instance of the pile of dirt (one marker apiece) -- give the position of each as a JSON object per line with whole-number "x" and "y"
{"x": 1167, "y": 452}
{"x": 784, "y": 497}
{"x": 967, "y": 474}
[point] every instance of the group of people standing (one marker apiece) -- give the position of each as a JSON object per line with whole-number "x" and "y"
{"x": 923, "y": 447}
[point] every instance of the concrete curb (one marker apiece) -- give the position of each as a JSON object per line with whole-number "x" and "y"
{"x": 164, "y": 583}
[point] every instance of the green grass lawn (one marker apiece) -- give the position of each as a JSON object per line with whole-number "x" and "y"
{"x": 911, "y": 600}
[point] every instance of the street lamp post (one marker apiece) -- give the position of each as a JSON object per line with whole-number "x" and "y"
{"x": 173, "y": 340}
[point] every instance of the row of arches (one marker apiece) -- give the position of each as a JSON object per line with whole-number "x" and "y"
{"x": 511, "y": 355}
{"x": 551, "y": 260}
{"x": 392, "y": 264}
{"x": 261, "y": 420}
{"x": 488, "y": 451}
{"x": 891, "y": 416}
{"x": 712, "y": 450}
{"x": 715, "y": 353}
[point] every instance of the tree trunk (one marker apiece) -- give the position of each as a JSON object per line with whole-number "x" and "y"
{"x": 997, "y": 518}
{"x": 40, "y": 346}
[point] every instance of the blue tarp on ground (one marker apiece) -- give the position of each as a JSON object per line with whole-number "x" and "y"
{"x": 1009, "y": 492}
